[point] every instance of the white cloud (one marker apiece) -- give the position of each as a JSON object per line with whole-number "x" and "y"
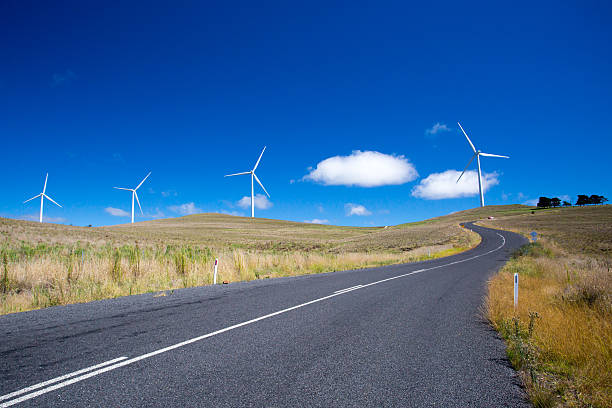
{"x": 317, "y": 221}
{"x": 532, "y": 202}
{"x": 363, "y": 169}
{"x": 234, "y": 213}
{"x": 438, "y": 186}
{"x": 169, "y": 193}
{"x": 261, "y": 202}
{"x": 185, "y": 209}
{"x": 356, "y": 209}
{"x": 437, "y": 128}
{"x": 157, "y": 214}
{"x": 36, "y": 217}
{"x": 117, "y": 212}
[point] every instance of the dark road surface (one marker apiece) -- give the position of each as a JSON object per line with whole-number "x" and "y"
{"x": 407, "y": 335}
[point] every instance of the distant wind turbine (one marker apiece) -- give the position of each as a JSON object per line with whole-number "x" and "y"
{"x": 253, "y": 176}
{"x": 135, "y": 194}
{"x": 42, "y": 199}
{"x": 477, "y": 154}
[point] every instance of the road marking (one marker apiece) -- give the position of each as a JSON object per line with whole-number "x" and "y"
{"x": 60, "y": 378}
{"x": 123, "y": 363}
{"x": 348, "y": 289}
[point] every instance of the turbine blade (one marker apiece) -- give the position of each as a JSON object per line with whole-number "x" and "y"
{"x": 470, "y": 162}
{"x": 50, "y": 199}
{"x": 143, "y": 180}
{"x": 237, "y": 174}
{"x": 45, "y": 186}
{"x": 138, "y": 201}
{"x": 264, "y": 189}
{"x": 30, "y": 199}
{"x": 257, "y": 164}
{"x": 493, "y": 155}
{"x": 466, "y": 136}
{"x": 121, "y": 188}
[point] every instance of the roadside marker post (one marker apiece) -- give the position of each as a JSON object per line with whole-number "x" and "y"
{"x": 215, "y": 275}
{"x": 515, "y": 290}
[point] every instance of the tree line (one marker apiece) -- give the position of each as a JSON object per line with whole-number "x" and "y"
{"x": 594, "y": 199}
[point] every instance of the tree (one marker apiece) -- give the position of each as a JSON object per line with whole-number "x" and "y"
{"x": 567, "y": 204}
{"x": 597, "y": 199}
{"x": 582, "y": 199}
{"x": 544, "y": 202}
{"x": 555, "y": 202}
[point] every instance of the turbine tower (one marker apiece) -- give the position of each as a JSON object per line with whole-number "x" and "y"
{"x": 477, "y": 154}
{"x": 135, "y": 194}
{"x": 253, "y": 176}
{"x": 42, "y": 199}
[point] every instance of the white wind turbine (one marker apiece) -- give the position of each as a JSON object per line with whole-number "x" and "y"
{"x": 477, "y": 154}
{"x": 42, "y": 199}
{"x": 135, "y": 194}
{"x": 253, "y": 176}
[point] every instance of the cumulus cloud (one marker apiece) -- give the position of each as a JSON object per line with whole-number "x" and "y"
{"x": 437, "y": 128}
{"x": 438, "y": 186}
{"x": 261, "y": 202}
{"x": 169, "y": 193}
{"x": 117, "y": 212}
{"x": 317, "y": 221}
{"x": 234, "y": 213}
{"x": 185, "y": 209}
{"x": 356, "y": 209}
{"x": 36, "y": 217}
{"x": 157, "y": 214}
{"x": 363, "y": 169}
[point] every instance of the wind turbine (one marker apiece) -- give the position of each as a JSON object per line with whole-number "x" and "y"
{"x": 253, "y": 176}
{"x": 42, "y": 198}
{"x": 135, "y": 194}
{"x": 477, "y": 154}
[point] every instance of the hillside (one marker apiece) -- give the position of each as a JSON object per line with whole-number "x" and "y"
{"x": 50, "y": 264}
{"x": 220, "y": 230}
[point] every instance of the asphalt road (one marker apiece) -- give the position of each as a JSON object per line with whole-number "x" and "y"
{"x": 411, "y": 335}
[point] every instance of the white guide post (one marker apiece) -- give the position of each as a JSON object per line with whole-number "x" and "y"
{"x": 215, "y": 274}
{"x": 515, "y": 290}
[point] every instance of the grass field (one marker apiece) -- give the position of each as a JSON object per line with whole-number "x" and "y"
{"x": 560, "y": 336}
{"x": 48, "y": 264}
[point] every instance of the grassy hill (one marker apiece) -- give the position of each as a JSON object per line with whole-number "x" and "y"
{"x": 220, "y": 230}
{"x": 51, "y": 264}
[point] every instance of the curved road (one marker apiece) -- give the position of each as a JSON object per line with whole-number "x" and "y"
{"x": 406, "y": 335}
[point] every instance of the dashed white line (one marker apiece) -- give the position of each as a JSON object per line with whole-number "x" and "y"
{"x": 105, "y": 367}
{"x": 348, "y": 289}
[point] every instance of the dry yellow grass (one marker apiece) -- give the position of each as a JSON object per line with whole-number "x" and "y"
{"x": 45, "y": 264}
{"x": 566, "y": 359}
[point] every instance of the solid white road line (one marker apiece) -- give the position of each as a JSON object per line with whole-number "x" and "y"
{"x": 60, "y": 378}
{"x": 205, "y": 336}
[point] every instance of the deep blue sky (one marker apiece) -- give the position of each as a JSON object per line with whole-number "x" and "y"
{"x": 98, "y": 93}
